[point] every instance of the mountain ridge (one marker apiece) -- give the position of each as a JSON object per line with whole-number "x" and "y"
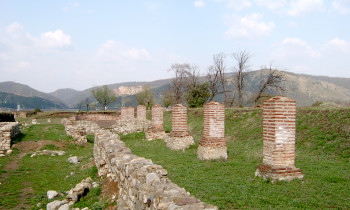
{"x": 305, "y": 89}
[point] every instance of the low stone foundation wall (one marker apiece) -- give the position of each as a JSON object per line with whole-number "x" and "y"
{"x": 8, "y": 130}
{"x": 97, "y": 116}
{"x": 131, "y": 126}
{"x": 79, "y": 129}
{"x": 142, "y": 184}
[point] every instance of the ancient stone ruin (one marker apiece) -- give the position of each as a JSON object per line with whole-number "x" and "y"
{"x": 129, "y": 124}
{"x": 141, "y": 183}
{"x": 213, "y": 142}
{"x": 179, "y": 138}
{"x": 127, "y": 113}
{"x": 279, "y": 140}
{"x": 8, "y": 130}
{"x": 156, "y": 131}
{"x": 141, "y": 112}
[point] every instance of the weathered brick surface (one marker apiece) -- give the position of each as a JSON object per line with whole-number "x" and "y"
{"x": 213, "y": 143}
{"x": 157, "y": 130}
{"x": 279, "y": 140}
{"x": 141, "y": 112}
{"x": 127, "y": 113}
{"x": 179, "y": 138}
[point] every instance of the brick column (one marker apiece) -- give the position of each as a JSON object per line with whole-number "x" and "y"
{"x": 157, "y": 130}
{"x": 127, "y": 113}
{"x": 213, "y": 143}
{"x": 141, "y": 112}
{"x": 179, "y": 138}
{"x": 279, "y": 140}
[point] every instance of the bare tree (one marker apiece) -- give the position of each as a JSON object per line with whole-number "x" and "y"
{"x": 178, "y": 83}
{"x": 241, "y": 71}
{"x": 220, "y": 68}
{"x": 192, "y": 78}
{"x": 87, "y": 104}
{"x": 273, "y": 80}
{"x": 80, "y": 104}
{"x": 212, "y": 78}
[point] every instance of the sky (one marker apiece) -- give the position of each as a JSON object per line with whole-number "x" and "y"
{"x": 56, "y": 44}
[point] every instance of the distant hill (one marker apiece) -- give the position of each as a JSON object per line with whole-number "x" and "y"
{"x": 73, "y": 97}
{"x": 26, "y": 91}
{"x": 10, "y": 101}
{"x": 305, "y": 89}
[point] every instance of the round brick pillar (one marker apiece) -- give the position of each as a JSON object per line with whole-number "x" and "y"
{"x": 141, "y": 112}
{"x": 179, "y": 138}
{"x": 279, "y": 140}
{"x": 213, "y": 143}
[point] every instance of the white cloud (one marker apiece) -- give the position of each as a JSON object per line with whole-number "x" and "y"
{"x": 294, "y": 48}
{"x": 16, "y": 32}
{"x": 337, "y": 44}
{"x": 239, "y": 4}
{"x": 299, "y": 56}
{"x": 299, "y": 7}
{"x": 199, "y": 3}
{"x": 342, "y": 6}
{"x": 71, "y": 6}
{"x": 55, "y": 39}
{"x": 271, "y": 4}
{"x": 250, "y": 26}
{"x": 112, "y": 51}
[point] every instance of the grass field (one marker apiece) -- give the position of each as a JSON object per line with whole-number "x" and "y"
{"x": 323, "y": 143}
{"x": 29, "y": 178}
{"x": 322, "y": 152}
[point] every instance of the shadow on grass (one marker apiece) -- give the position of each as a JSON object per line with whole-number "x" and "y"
{"x": 18, "y": 138}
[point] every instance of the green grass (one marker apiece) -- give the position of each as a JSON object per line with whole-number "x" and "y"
{"x": 322, "y": 154}
{"x": 44, "y": 172}
{"x": 39, "y": 132}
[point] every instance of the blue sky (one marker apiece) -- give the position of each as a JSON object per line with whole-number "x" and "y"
{"x": 79, "y": 44}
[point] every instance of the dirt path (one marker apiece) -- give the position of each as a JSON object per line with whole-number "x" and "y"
{"x": 14, "y": 164}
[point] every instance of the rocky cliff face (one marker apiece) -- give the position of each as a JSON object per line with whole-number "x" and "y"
{"x": 128, "y": 90}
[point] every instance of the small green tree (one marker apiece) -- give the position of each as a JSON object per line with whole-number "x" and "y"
{"x": 145, "y": 97}
{"x": 103, "y": 96}
{"x": 197, "y": 96}
{"x": 167, "y": 98}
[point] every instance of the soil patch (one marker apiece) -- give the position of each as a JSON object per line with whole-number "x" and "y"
{"x": 27, "y": 146}
{"x": 105, "y": 123}
{"x": 110, "y": 192}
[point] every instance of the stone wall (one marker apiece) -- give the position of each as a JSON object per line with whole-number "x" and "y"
{"x": 8, "y": 130}
{"x": 20, "y": 114}
{"x": 97, "y": 116}
{"x": 79, "y": 129}
{"x": 131, "y": 126}
{"x": 142, "y": 184}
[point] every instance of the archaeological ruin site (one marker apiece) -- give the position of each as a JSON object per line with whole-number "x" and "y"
{"x": 142, "y": 184}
